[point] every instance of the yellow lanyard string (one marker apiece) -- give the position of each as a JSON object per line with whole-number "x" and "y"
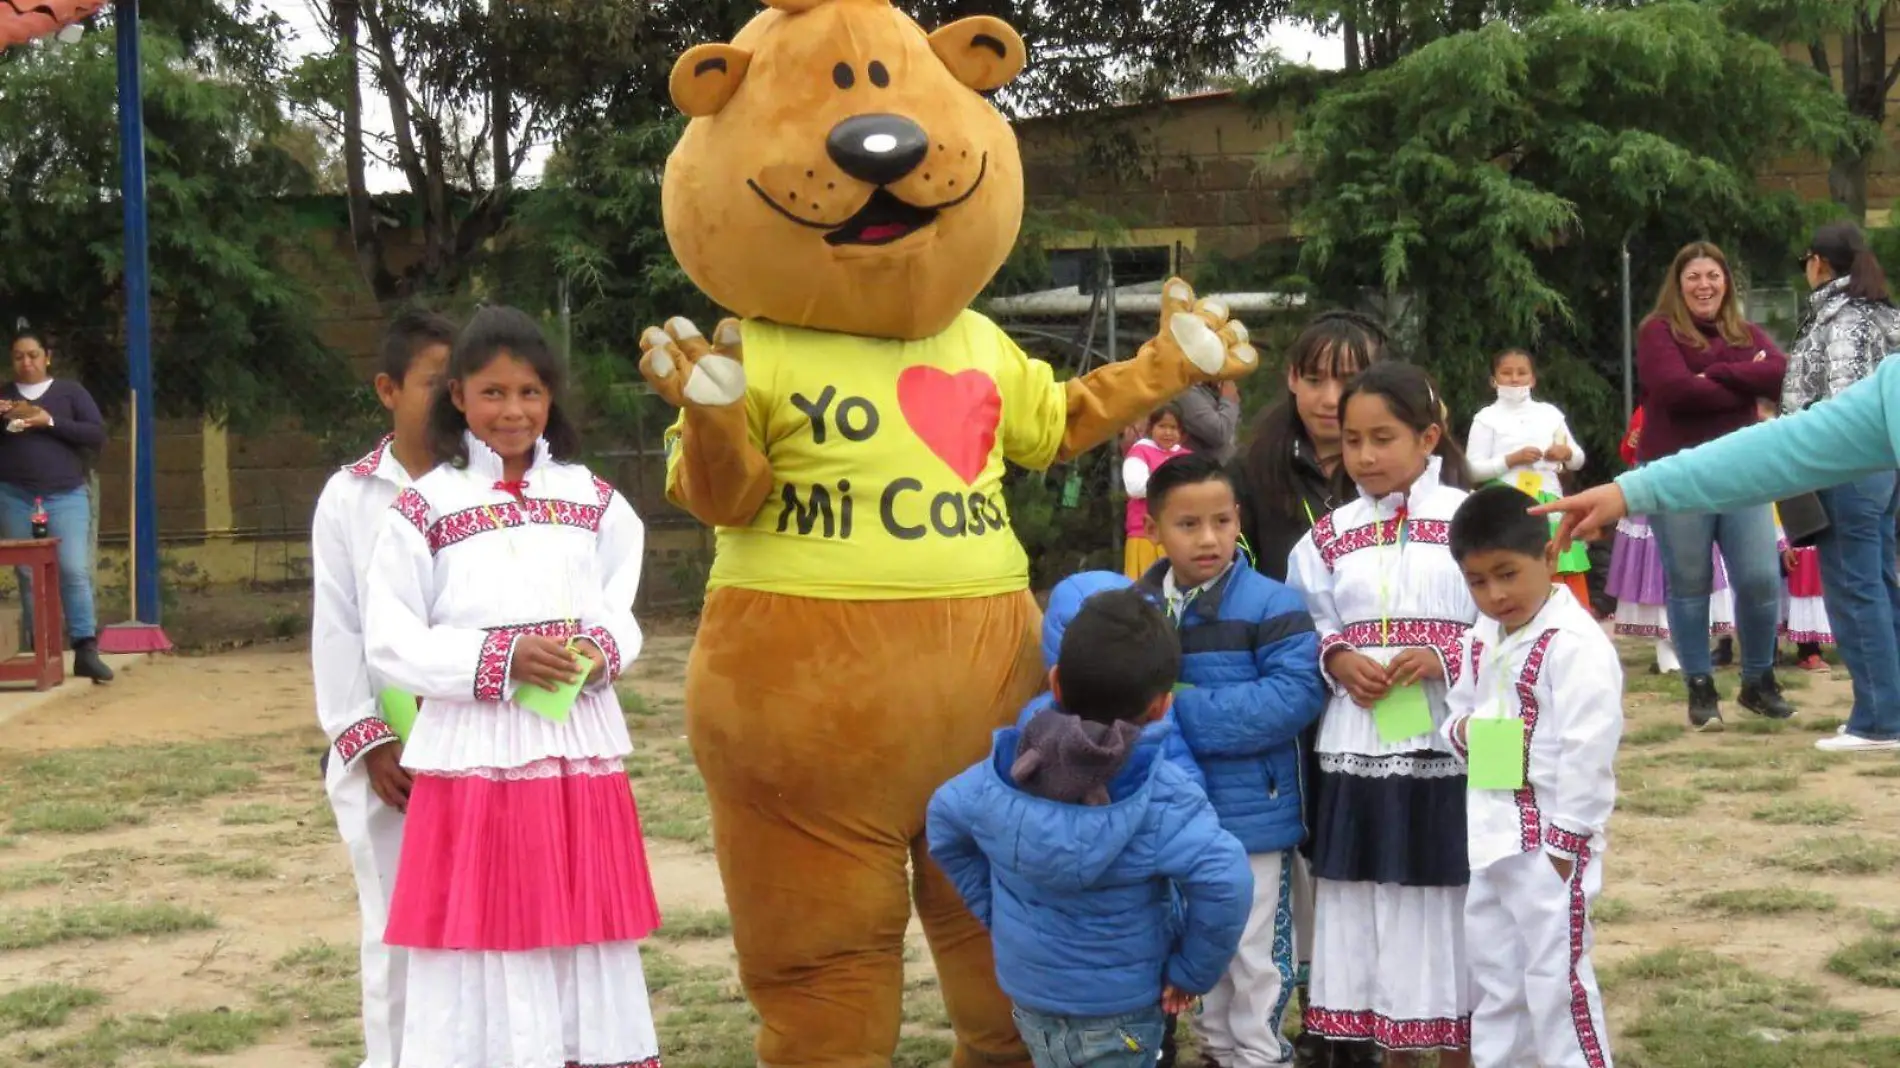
{"x": 567, "y": 585}
{"x": 1386, "y": 574}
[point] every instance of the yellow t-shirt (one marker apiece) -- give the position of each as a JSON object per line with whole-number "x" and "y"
{"x": 887, "y": 462}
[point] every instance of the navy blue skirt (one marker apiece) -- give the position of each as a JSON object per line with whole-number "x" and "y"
{"x": 1392, "y": 819}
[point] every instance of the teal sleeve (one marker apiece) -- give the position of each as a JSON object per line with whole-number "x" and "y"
{"x": 1833, "y": 442}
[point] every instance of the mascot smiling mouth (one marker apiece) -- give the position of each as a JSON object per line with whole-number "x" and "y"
{"x": 883, "y": 219}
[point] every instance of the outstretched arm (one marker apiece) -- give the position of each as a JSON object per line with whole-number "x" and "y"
{"x": 1198, "y": 342}
{"x": 715, "y": 466}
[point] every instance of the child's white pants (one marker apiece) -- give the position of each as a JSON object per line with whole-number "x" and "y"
{"x": 373, "y": 833}
{"x": 1240, "y": 1019}
{"x": 1528, "y": 940}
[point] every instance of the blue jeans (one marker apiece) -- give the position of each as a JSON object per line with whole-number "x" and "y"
{"x": 1130, "y": 1041}
{"x": 1747, "y": 538}
{"x": 1863, "y": 598}
{"x": 68, "y": 518}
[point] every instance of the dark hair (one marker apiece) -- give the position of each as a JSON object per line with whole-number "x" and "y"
{"x": 1339, "y": 344}
{"x": 408, "y": 334}
{"x": 1505, "y": 354}
{"x": 1413, "y": 398}
{"x": 1169, "y": 408}
{"x": 1498, "y": 517}
{"x": 495, "y": 330}
{"x": 24, "y": 333}
{"x": 1118, "y": 654}
{"x": 1845, "y": 249}
{"x": 1190, "y": 469}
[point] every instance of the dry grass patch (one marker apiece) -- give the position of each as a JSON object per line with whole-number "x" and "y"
{"x": 1748, "y": 782}
{"x": 44, "y": 1005}
{"x": 1766, "y": 901}
{"x": 1804, "y": 812}
{"x": 32, "y": 928}
{"x": 1667, "y": 802}
{"x": 1872, "y": 961}
{"x": 1837, "y": 855}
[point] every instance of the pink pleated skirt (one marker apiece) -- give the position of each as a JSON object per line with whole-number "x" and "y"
{"x": 544, "y": 855}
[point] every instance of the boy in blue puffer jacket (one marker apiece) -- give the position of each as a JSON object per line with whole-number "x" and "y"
{"x": 1069, "y": 841}
{"x": 1064, "y": 602}
{"x": 1250, "y": 658}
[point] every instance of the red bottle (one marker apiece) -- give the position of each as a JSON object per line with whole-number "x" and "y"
{"x": 40, "y": 527}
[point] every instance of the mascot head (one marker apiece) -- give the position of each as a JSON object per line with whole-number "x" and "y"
{"x": 841, "y": 172}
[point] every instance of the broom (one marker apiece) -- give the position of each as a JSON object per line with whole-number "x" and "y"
{"x": 133, "y": 636}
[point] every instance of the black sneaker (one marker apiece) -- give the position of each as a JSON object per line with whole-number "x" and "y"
{"x": 86, "y": 661}
{"x": 1762, "y": 696}
{"x": 1705, "y": 705}
{"x": 1723, "y": 655}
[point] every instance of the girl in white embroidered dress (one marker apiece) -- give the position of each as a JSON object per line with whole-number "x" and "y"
{"x": 1393, "y": 612}
{"x": 523, "y": 888}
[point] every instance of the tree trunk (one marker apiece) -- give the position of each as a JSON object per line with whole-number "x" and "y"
{"x": 364, "y": 237}
{"x": 1865, "y": 80}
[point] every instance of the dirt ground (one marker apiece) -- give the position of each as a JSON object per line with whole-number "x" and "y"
{"x": 172, "y": 891}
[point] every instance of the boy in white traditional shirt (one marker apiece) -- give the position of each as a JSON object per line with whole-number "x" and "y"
{"x": 363, "y": 771}
{"x": 1537, "y": 720}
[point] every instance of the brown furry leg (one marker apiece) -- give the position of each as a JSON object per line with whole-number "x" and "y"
{"x": 822, "y": 728}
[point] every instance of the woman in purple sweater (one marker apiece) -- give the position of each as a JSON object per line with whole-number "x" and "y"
{"x": 1705, "y": 372}
{"x": 47, "y": 424}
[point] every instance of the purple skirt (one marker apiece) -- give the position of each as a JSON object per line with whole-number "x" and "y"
{"x": 1636, "y": 565}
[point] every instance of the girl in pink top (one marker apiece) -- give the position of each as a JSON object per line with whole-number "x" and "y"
{"x": 1162, "y": 444}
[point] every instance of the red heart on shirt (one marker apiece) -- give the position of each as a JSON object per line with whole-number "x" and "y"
{"x": 954, "y": 415}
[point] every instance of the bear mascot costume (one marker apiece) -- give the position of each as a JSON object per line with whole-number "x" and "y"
{"x": 845, "y": 190}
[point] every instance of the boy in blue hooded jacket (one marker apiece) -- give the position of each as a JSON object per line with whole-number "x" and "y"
{"x": 1250, "y": 659}
{"x": 1071, "y": 839}
{"x": 1064, "y": 602}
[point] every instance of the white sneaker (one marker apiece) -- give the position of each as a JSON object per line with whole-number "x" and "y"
{"x": 1854, "y": 743}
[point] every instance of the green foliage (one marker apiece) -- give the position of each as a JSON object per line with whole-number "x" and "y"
{"x": 1490, "y": 177}
{"x": 232, "y": 332}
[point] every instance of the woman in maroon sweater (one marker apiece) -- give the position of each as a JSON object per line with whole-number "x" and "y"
{"x": 1705, "y": 372}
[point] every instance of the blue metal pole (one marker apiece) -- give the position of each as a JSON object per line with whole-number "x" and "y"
{"x": 138, "y": 327}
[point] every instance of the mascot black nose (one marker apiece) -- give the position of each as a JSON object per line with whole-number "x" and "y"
{"x": 878, "y": 149}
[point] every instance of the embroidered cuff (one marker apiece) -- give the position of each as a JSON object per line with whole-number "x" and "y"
{"x": 603, "y": 638}
{"x": 1328, "y": 645}
{"x": 361, "y": 737}
{"x": 1457, "y": 739}
{"x": 1567, "y": 843}
{"x": 491, "y": 669}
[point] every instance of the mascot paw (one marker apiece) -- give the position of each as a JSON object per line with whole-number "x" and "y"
{"x": 686, "y": 369}
{"x": 1204, "y": 334}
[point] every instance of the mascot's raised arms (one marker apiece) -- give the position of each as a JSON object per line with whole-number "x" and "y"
{"x": 846, "y": 192}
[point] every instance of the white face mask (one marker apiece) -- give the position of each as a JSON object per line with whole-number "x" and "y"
{"x": 1514, "y": 394}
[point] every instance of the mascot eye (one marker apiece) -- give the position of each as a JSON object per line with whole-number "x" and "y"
{"x": 879, "y": 76}
{"x": 842, "y": 77}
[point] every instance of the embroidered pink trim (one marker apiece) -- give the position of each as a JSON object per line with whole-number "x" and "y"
{"x": 361, "y": 735}
{"x": 1442, "y": 1033}
{"x": 1446, "y": 636}
{"x": 536, "y": 511}
{"x": 491, "y": 666}
{"x": 415, "y": 509}
{"x": 367, "y": 466}
{"x": 1580, "y": 1016}
{"x": 1530, "y": 821}
{"x": 548, "y": 768}
{"x": 650, "y": 1062}
{"x": 604, "y": 491}
{"x": 1568, "y": 841}
{"x": 601, "y": 637}
{"x": 1419, "y": 531}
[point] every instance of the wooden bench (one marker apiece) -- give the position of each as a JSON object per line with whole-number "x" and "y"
{"x": 45, "y": 666}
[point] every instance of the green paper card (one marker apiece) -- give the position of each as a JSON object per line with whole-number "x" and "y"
{"x": 553, "y": 705}
{"x": 1179, "y": 686}
{"x": 399, "y": 711}
{"x": 1402, "y": 713}
{"x": 1496, "y": 749}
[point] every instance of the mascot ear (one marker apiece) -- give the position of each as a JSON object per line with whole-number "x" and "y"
{"x": 982, "y": 52}
{"x": 706, "y": 76}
